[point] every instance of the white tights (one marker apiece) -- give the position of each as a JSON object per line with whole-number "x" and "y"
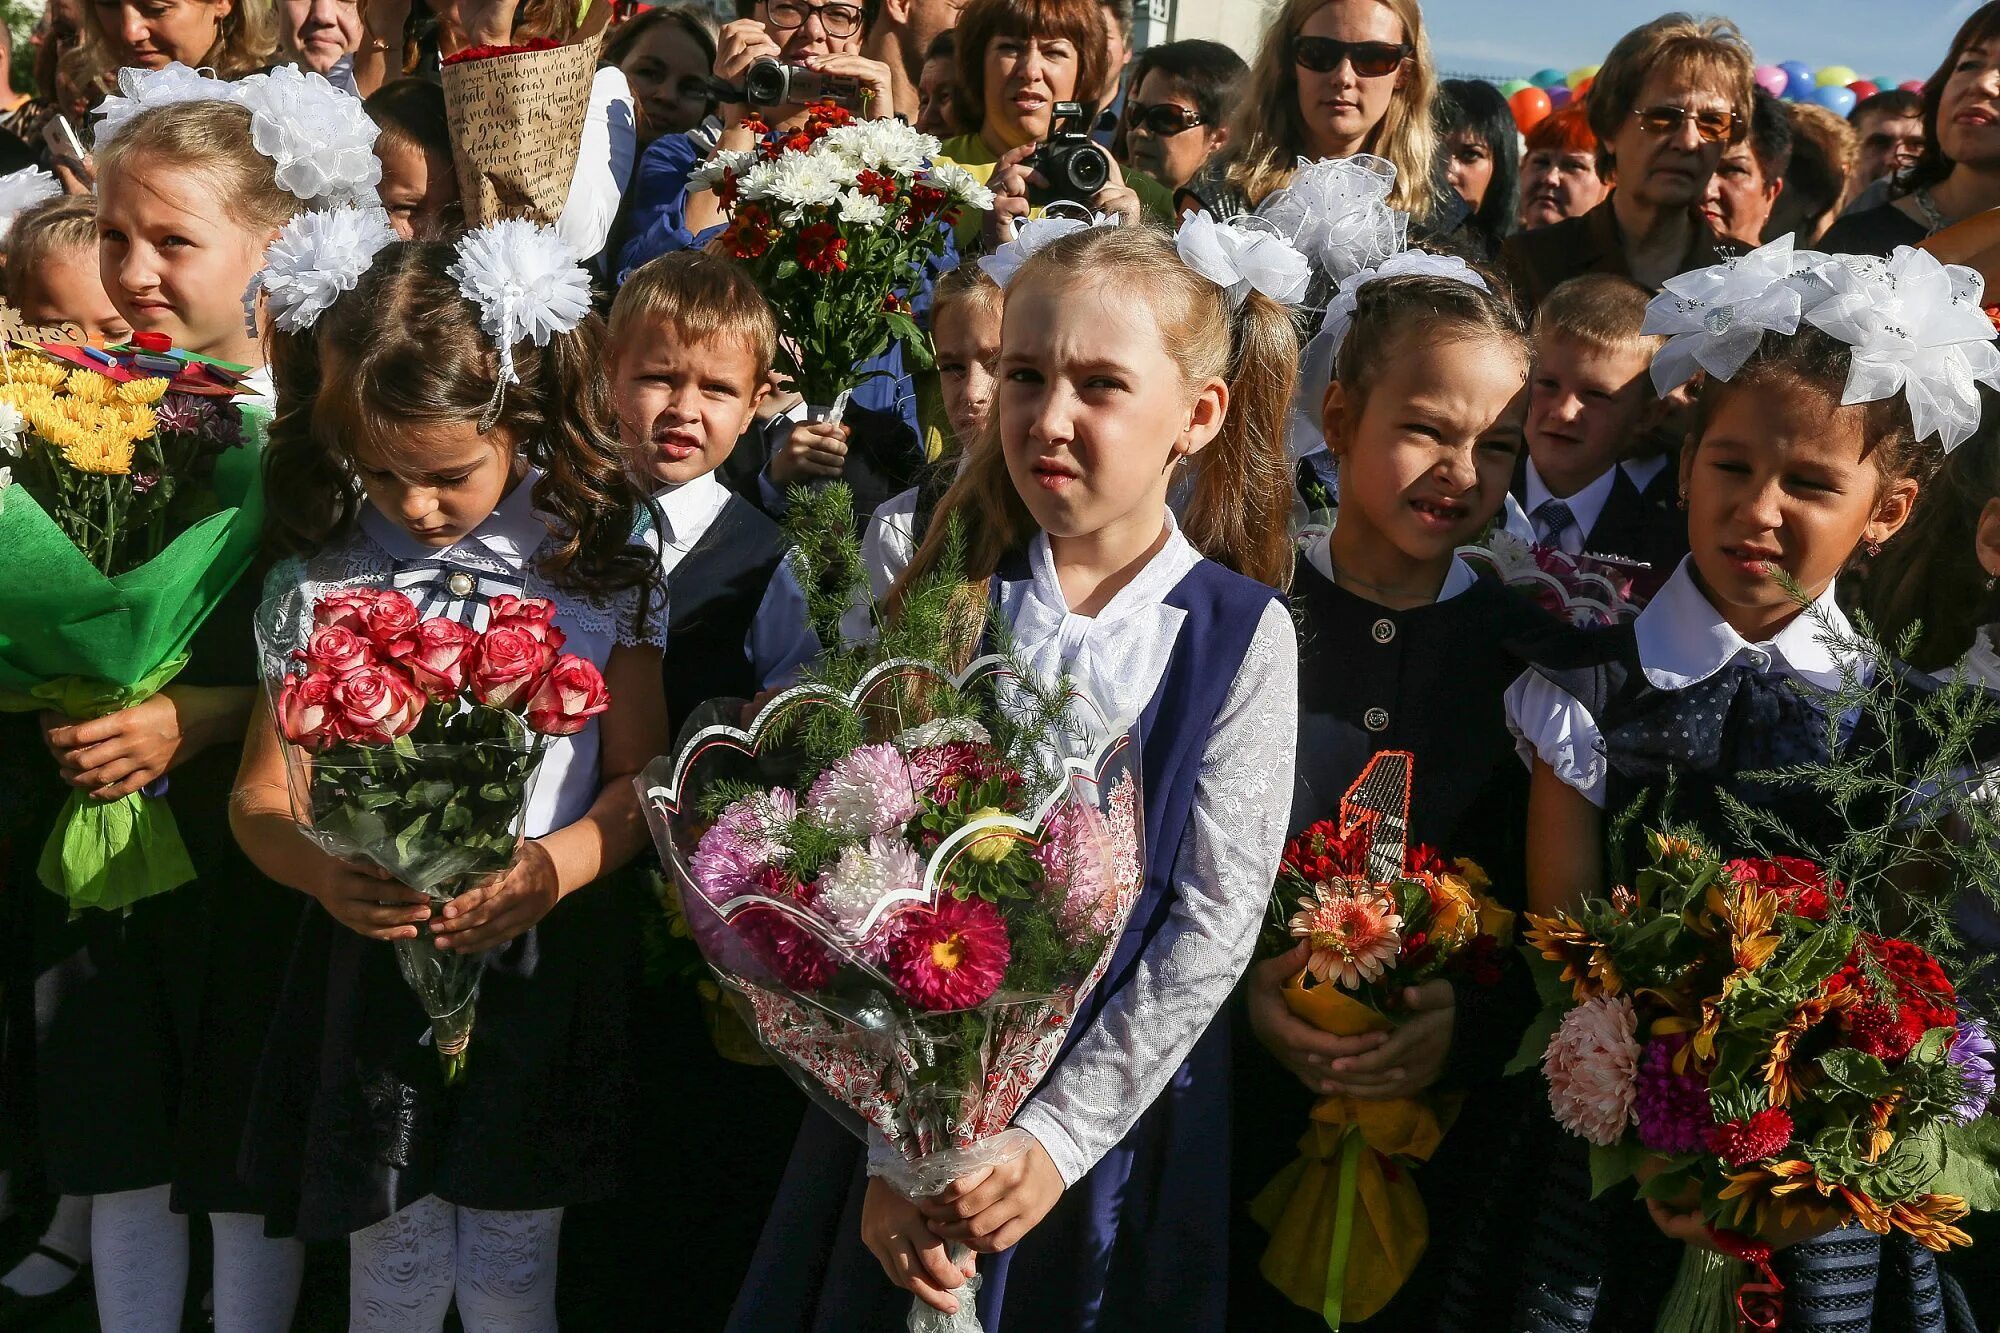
{"x": 139, "y": 1248}
{"x": 404, "y": 1271}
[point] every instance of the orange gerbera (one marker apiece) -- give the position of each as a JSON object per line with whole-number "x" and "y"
{"x": 1771, "y": 1195}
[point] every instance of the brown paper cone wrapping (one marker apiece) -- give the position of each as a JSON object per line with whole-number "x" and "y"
{"x": 515, "y": 122}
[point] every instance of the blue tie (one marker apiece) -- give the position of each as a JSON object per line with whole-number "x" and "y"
{"x": 1552, "y": 518}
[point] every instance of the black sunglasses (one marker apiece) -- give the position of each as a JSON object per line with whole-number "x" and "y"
{"x": 1711, "y": 126}
{"x": 1165, "y": 119}
{"x": 1371, "y": 60}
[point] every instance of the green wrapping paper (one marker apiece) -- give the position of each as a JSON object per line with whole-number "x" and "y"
{"x": 84, "y": 645}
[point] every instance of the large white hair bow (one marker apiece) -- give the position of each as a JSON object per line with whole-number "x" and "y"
{"x": 319, "y": 255}
{"x": 1336, "y": 212}
{"x": 526, "y": 283}
{"x": 1030, "y": 236}
{"x": 142, "y": 89}
{"x": 1241, "y": 259}
{"x": 21, "y": 190}
{"x": 1916, "y": 327}
{"x": 1714, "y": 317}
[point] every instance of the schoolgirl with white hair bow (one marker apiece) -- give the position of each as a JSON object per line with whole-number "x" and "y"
{"x": 443, "y": 429}
{"x": 1125, "y": 358}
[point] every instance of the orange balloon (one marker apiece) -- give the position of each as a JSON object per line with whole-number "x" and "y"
{"x": 1577, "y": 93}
{"x": 1531, "y": 107}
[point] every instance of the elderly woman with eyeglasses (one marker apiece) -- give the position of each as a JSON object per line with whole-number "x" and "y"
{"x": 1672, "y": 96}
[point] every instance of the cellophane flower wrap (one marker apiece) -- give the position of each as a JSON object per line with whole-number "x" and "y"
{"x": 1583, "y": 589}
{"x": 907, "y": 878}
{"x": 130, "y": 503}
{"x": 412, "y": 744}
{"x": 836, "y": 221}
{"x": 1724, "y": 1028}
{"x": 1376, "y": 915}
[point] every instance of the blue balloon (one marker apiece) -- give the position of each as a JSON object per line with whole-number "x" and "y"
{"x": 1801, "y": 88}
{"x": 1836, "y": 99}
{"x": 1550, "y": 78}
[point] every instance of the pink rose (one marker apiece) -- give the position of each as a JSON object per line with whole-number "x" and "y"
{"x": 536, "y": 615}
{"x": 377, "y": 704}
{"x": 338, "y": 650}
{"x": 344, "y": 609}
{"x": 509, "y": 667}
{"x": 305, "y": 710}
{"x": 389, "y": 619}
{"x": 570, "y": 695}
{"x": 438, "y": 655}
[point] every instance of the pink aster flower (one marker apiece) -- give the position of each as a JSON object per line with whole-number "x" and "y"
{"x": 871, "y": 790}
{"x": 789, "y": 948}
{"x": 745, "y": 839}
{"x": 1093, "y": 858}
{"x": 1353, "y": 928}
{"x": 951, "y": 957}
{"x": 1592, "y": 1064}
{"x": 863, "y": 877}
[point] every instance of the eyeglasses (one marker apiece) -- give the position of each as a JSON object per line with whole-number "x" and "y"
{"x": 1712, "y": 126}
{"x": 1371, "y": 60}
{"x": 1165, "y": 119}
{"x": 834, "y": 20}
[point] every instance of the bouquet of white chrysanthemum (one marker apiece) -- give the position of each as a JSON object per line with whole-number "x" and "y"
{"x": 836, "y": 221}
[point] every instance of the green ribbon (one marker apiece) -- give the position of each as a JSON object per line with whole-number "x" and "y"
{"x": 107, "y": 854}
{"x": 1351, "y": 1145}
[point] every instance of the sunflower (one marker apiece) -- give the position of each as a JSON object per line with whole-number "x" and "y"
{"x": 1786, "y": 1075}
{"x": 1586, "y": 963}
{"x": 1928, "y": 1218}
{"x": 1774, "y": 1194}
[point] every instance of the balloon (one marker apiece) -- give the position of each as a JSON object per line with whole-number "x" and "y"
{"x": 1512, "y": 86}
{"x": 1912, "y": 86}
{"x": 1582, "y": 89}
{"x": 1548, "y": 78}
{"x": 1799, "y": 80}
{"x": 1559, "y": 97}
{"x": 1863, "y": 89}
{"x": 1531, "y": 107}
{"x": 1772, "y": 80}
{"x": 1835, "y": 76}
{"x": 1582, "y": 74}
{"x": 1838, "y": 100}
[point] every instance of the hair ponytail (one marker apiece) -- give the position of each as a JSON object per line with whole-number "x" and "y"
{"x": 1240, "y": 511}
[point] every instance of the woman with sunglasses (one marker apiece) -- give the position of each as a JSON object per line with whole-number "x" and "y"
{"x": 1175, "y": 117}
{"x": 1957, "y": 175}
{"x": 1671, "y": 97}
{"x": 1334, "y": 78}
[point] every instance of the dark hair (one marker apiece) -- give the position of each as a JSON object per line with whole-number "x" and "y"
{"x": 696, "y": 23}
{"x": 1475, "y": 107}
{"x": 944, "y": 46}
{"x": 412, "y": 110}
{"x": 1770, "y": 136}
{"x": 1932, "y": 165}
{"x": 1210, "y": 74}
{"x": 410, "y": 352}
{"x": 1391, "y": 313}
{"x": 1080, "y": 22}
{"x": 1121, "y": 14}
{"x": 1824, "y": 150}
{"x": 1928, "y": 575}
{"x": 1890, "y": 103}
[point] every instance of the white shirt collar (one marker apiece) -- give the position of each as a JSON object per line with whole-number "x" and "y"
{"x": 1168, "y": 567}
{"x": 1459, "y": 578}
{"x": 1643, "y": 470}
{"x": 509, "y": 534}
{"x": 1585, "y": 506}
{"x": 689, "y": 508}
{"x": 1683, "y": 640}
{"x": 1981, "y": 663}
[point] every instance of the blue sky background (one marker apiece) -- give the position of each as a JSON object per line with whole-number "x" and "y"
{"x": 1900, "y": 39}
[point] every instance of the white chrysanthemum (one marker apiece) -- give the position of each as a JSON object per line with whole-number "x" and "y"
{"x": 319, "y": 138}
{"x": 863, "y": 877}
{"x": 941, "y": 731}
{"x": 863, "y": 210}
{"x": 709, "y": 174}
{"x": 871, "y": 790}
{"x": 319, "y": 255}
{"x": 12, "y": 426}
{"x": 526, "y": 283}
{"x": 888, "y": 146}
{"x": 24, "y": 189}
{"x": 806, "y": 180}
{"x": 142, "y": 89}
{"x": 964, "y": 186}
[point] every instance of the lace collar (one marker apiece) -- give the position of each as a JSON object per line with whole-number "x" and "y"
{"x": 1683, "y": 640}
{"x": 509, "y": 535}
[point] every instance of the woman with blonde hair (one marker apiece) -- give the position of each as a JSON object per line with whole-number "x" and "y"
{"x": 231, "y": 37}
{"x": 1334, "y": 78}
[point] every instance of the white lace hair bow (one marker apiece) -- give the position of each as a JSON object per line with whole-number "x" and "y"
{"x": 320, "y": 141}
{"x": 21, "y": 190}
{"x": 319, "y": 255}
{"x": 526, "y": 283}
{"x": 1030, "y": 236}
{"x": 1916, "y": 328}
{"x": 1715, "y": 317}
{"x": 1336, "y": 213}
{"x": 1243, "y": 258}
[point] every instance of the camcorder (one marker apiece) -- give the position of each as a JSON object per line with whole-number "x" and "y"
{"x": 770, "y": 82}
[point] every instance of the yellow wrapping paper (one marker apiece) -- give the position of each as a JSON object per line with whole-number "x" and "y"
{"x": 1387, "y": 1228}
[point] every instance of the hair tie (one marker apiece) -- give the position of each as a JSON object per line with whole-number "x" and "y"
{"x": 1242, "y": 257}
{"x": 1715, "y": 317}
{"x": 1336, "y": 213}
{"x": 526, "y": 283}
{"x": 22, "y": 190}
{"x": 319, "y": 255}
{"x": 1031, "y": 235}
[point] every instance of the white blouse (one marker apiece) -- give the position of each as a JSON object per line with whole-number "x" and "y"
{"x": 1228, "y": 854}
{"x": 887, "y": 549}
{"x": 1683, "y": 640}
{"x": 604, "y": 159}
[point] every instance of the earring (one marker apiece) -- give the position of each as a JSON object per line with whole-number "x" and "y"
{"x": 1874, "y": 547}
{"x": 1682, "y": 503}
{"x": 1991, "y": 581}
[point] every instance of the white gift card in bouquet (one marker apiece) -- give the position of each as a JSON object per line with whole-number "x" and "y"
{"x": 908, "y": 889}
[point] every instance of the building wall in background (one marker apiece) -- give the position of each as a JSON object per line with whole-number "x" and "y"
{"x": 1238, "y": 24}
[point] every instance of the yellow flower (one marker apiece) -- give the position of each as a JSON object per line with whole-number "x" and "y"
{"x": 100, "y": 454}
{"x": 990, "y": 844}
{"x": 148, "y": 390}
{"x": 1455, "y": 912}
{"x": 89, "y": 386}
{"x": 1469, "y": 870}
{"x": 1586, "y": 963}
{"x": 33, "y": 369}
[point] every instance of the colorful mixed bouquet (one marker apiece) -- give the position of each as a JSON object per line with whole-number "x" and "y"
{"x": 836, "y": 221}
{"x": 129, "y": 504}
{"x": 414, "y": 744}
{"x": 1582, "y": 589}
{"x": 1719, "y": 1030}
{"x": 1377, "y": 917}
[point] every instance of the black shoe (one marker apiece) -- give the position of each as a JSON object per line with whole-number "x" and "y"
{"x": 24, "y": 1312}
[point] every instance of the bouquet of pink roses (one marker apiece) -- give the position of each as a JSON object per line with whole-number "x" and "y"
{"x": 413, "y": 745}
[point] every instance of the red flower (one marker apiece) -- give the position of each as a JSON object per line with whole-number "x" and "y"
{"x": 489, "y": 52}
{"x": 1741, "y": 1142}
{"x": 788, "y": 948}
{"x": 306, "y": 712}
{"x": 338, "y": 651}
{"x": 822, "y": 249}
{"x": 438, "y": 655}
{"x": 388, "y": 617}
{"x": 748, "y": 235}
{"x": 376, "y": 704}
{"x": 510, "y": 667}
{"x": 1800, "y": 884}
{"x": 952, "y": 957}
{"x": 569, "y": 696}
{"x": 536, "y": 615}
{"x": 1924, "y": 999}
{"x": 876, "y": 185}
{"x": 926, "y": 199}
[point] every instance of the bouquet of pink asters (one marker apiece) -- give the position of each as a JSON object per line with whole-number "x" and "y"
{"x": 413, "y": 745}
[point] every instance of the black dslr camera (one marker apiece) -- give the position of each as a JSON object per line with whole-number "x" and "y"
{"x": 770, "y": 82}
{"x": 1073, "y": 167}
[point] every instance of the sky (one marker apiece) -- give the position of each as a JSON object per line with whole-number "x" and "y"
{"x": 1899, "y": 39}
